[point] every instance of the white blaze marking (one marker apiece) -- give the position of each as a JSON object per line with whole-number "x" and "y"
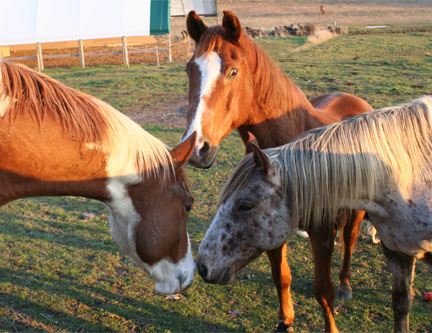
{"x": 209, "y": 66}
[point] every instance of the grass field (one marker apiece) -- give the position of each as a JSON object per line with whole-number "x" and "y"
{"x": 61, "y": 271}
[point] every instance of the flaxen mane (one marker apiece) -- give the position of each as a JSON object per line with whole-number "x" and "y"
{"x": 349, "y": 161}
{"x": 93, "y": 123}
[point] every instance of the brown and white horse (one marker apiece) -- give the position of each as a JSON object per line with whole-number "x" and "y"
{"x": 380, "y": 161}
{"x": 55, "y": 140}
{"x": 233, "y": 84}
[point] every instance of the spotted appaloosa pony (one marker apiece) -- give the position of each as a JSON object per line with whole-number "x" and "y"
{"x": 380, "y": 162}
{"x": 234, "y": 84}
{"x": 55, "y": 140}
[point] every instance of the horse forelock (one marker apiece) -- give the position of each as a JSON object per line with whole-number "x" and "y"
{"x": 210, "y": 41}
{"x": 96, "y": 125}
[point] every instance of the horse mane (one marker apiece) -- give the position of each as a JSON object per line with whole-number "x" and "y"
{"x": 275, "y": 92}
{"x": 91, "y": 122}
{"x": 349, "y": 161}
{"x": 211, "y": 40}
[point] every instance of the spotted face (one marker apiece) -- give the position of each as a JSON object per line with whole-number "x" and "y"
{"x": 148, "y": 223}
{"x": 255, "y": 220}
{"x": 220, "y": 86}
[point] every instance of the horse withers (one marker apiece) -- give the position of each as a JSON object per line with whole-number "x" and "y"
{"x": 233, "y": 84}
{"x": 379, "y": 162}
{"x": 55, "y": 141}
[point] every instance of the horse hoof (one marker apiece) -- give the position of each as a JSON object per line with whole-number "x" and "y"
{"x": 284, "y": 328}
{"x": 342, "y": 293}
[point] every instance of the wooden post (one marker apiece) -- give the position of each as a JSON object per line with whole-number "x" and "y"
{"x": 125, "y": 52}
{"x": 81, "y": 53}
{"x": 169, "y": 49}
{"x": 157, "y": 56}
{"x": 4, "y": 51}
{"x": 39, "y": 57}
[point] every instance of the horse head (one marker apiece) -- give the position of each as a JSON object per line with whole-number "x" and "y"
{"x": 251, "y": 218}
{"x": 148, "y": 222}
{"x": 220, "y": 84}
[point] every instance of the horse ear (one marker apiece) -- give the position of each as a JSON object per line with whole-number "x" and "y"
{"x": 181, "y": 153}
{"x": 195, "y": 26}
{"x": 231, "y": 26}
{"x": 251, "y": 140}
{"x": 261, "y": 160}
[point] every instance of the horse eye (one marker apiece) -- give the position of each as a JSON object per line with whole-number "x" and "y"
{"x": 233, "y": 73}
{"x": 245, "y": 206}
{"x": 187, "y": 208}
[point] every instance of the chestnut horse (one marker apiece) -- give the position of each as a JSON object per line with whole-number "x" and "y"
{"x": 234, "y": 84}
{"x": 380, "y": 161}
{"x": 59, "y": 141}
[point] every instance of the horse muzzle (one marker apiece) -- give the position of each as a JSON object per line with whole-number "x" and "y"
{"x": 222, "y": 276}
{"x": 175, "y": 285}
{"x": 204, "y": 156}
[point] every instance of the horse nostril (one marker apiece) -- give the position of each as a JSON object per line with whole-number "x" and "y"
{"x": 202, "y": 270}
{"x": 204, "y": 149}
{"x": 226, "y": 277}
{"x": 182, "y": 278}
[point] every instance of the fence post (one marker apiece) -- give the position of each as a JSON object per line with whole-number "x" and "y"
{"x": 125, "y": 52}
{"x": 169, "y": 49}
{"x": 189, "y": 46}
{"x": 39, "y": 56}
{"x": 81, "y": 53}
{"x": 157, "y": 56}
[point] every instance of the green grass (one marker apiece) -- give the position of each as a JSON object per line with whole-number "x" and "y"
{"x": 60, "y": 271}
{"x": 128, "y": 89}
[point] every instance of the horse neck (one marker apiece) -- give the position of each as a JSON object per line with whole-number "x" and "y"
{"x": 49, "y": 164}
{"x": 15, "y": 186}
{"x": 280, "y": 110}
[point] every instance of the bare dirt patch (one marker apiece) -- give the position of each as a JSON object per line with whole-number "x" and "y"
{"x": 168, "y": 114}
{"x": 269, "y": 14}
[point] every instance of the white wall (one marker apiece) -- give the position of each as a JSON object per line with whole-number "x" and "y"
{"x": 31, "y": 21}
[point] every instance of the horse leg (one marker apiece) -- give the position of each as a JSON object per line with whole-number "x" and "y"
{"x": 402, "y": 268}
{"x": 428, "y": 258}
{"x": 351, "y": 233}
{"x": 322, "y": 241}
{"x": 282, "y": 279}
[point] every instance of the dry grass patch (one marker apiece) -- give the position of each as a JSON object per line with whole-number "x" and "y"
{"x": 320, "y": 36}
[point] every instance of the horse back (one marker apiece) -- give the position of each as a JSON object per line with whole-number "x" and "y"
{"x": 340, "y": 106}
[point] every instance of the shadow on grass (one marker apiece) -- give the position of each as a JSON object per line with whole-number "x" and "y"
{"x": 140, "y": 314}
{"x": 65, "y": 235}
{"x": 301, "y": 284}
{"x": 26, "y": 315}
